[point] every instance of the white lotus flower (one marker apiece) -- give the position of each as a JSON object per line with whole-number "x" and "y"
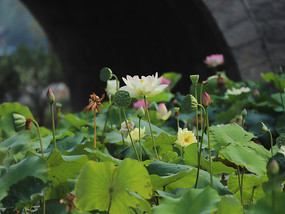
{"x": 237, "y": 91}
{"x": 135, "y": 135}
{"x": 148, "y": 86}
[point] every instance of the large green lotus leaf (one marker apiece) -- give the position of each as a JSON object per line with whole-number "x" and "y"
{"x": 194, "y": 201}
{"x": 164, "y": 144}
{"x": 191, "y": 158}
{"x": 222, "y": 135}
{"x": 16, "y": 146}
{"x": 229, "y": 204}
{"x": 103, "y": 156}
{"x": 161, "y": 97}
{"x": 7, "y": 128}
{"x": 68, "y": 143}
{"x": 272, "y": 203}
{"x": 7, "y": 108}
{"x": 103, "y": 186}
{"x": 62, "y": 168}
{"x": 30, "y": 166}
{"x": 74, "y": 120}
{"x": 167, "y": 172}
{"x": 252, "y": 187}
{"x": 233, "y": 143}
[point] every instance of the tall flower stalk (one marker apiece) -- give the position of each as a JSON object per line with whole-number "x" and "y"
{"x": 140, "y": 114}
{"x": 51, "y": 98}
{"x": 151, "y": 132}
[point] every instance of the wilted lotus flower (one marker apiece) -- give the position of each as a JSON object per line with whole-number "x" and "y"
{"x": 206, "y": 100}
{"x": 140, "y": 103}
{"x": 162, "y": 113}
{"x": 135, "y": 135}
{"x": 111, "y": 87}
{"x": 145, "y": 86}
{"x": 214, "y": 60}
{"x": 185, "y": 137}
{"x": 124, "y": 128}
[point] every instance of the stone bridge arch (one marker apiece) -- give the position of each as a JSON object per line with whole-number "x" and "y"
{"x": 144, "y": 36}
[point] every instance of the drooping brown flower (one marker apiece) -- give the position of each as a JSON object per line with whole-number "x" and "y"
{"x": 94, "y": 102}
{"x": 69, "y": 201}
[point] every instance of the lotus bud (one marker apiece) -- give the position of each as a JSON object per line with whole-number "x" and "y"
{"x": 206, "y": 100}
{"x": 273, "y": 167}
{"x": 222, "y": 82}
{"x": 255, "y": 93}
{"x": 244, "y": 113}
{"x": 261, "y": 128}
{"x": 106, "y": 74}
{"x": 189, "y": 103}
{"x": 176, "y": 111}
{"x": 194, "y": 79}
{"x": 162, "y": 113}
{"x": 50, "y": 96}
{"x": 141, "y": 112}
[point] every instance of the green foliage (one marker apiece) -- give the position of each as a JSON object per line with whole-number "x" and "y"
{"x": 194, "y": 201}
{"x": 233, "y": 143}
{"x": 105, "y": 187}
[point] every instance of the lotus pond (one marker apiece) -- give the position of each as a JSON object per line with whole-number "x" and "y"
{"x": 141, "y": 148}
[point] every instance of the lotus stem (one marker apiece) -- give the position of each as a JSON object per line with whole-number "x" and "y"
{"x": 209, "y": 147}
{"x": 53, "y": 124}
{"x": 240, "y": 182}
{"x": 148, "y": 117}
{"x": 140, "y": 138}
{"x": 271, "y": 141}
{"x": 127, "y": 125}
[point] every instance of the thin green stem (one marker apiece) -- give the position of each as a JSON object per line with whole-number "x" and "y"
{"x": 209, "y": 147}
{"x": 242, "y": 122}
{"x": 140, "y": 138}
{"x": 200, "y": 150}
{"x": 25, "y": 210}
{"x": 197, "y": 119}
{"x": 120, "y": 118}
{"x": 127, "y": 125}
{"x": 177, "y": 122}
{"x": 240, "y": 182}
{"x": 53, "y": 125}
{"x": 271, "y": 142}
{"x": 105, "y": 125}
{"x": 40, "y": 136}
{"x": 148, "y": 117}
{"x": 95, "y": 128}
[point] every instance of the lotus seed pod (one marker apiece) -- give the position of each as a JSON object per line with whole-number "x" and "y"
{"x": 141, "y": 112}
{"x": 106, "y": 74}
{"x": 50, "y": 96}
{"x": 206, "y": 99}
{"x": 122, "y": 99}
{"x": 189, "y": 103}
{"x": 19, "y": 121}
{"x": 194, "y": 79}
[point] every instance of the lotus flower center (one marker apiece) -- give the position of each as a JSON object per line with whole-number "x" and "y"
{"x": 141, "y": 81}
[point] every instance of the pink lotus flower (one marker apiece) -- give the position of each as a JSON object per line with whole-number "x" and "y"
{"x": 140, "y": 103}
{"x": 214, "y": 60}
{"x": 165, "y": 81}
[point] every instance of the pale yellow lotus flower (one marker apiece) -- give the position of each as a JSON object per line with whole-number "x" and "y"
{"x": 185, "y": 137}
{"x": 148, "y": 86}
{"x": 135, "y": 135}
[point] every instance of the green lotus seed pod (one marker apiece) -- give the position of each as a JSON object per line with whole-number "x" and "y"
{"x": 106, "y": 74}
{"x": 189, "y": 103}
{"x": 194, "y": 79}
{"x": 141, "y": 112}
{"x": 19, "y": 121}
{"x": 122, "y": 99}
